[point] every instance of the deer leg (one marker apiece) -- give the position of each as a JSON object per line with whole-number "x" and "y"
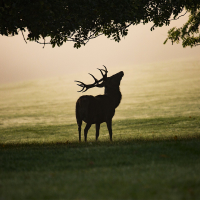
{"x": 79, "y": 130}
{"x": 97, "y": 130}
{"x": 86, "y": 131}
{"x": 109, "y": 126}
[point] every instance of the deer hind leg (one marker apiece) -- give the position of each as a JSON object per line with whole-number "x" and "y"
{"x": 109, "y": 126}
{"x": 79, "y": 130}
{"x": 97, "y": 130}
{"x": 86, "y": 130}
{"x": 79, "y": 123}
{"x": 78, "y": 118}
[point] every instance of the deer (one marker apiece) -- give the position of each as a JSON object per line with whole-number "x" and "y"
{"x": 100, "y": 108}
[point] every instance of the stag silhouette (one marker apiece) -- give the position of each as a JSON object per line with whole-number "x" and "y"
{"x": 100, "y": 108}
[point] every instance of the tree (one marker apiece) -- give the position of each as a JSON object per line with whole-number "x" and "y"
{"x": 82, "y": 20}
{"x": 189, "y": 33}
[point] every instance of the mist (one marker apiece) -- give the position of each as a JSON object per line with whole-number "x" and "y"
{"x": 21, "y": 61}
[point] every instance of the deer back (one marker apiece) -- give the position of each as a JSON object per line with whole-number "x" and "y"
{"x": 95, "y": 109}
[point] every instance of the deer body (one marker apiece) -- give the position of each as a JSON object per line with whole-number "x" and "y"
{"x": 100, "y": 108}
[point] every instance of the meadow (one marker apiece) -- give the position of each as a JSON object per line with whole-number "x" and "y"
{"x": 155, "y": 153}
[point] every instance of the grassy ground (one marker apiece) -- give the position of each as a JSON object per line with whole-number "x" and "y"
{"x": 125, "y": 169}
{"x": 156, "y": 133}
{"x": 145, "y": 129}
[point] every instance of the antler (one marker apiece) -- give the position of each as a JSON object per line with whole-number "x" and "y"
{"x": 86, "y": 87}
{"x": 96, "y": 82}
{"x": 104, "y": 75}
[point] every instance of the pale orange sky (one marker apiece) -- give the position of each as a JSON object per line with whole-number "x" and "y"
{"x": 21, "y": 61}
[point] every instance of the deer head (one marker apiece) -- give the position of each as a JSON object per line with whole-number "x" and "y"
{"x": 107, "y": 82}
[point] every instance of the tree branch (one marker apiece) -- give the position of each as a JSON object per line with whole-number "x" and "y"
{"x": 152, "y": 28}
{"x": 23, "y": 37}
{"x": 179, "y": 16}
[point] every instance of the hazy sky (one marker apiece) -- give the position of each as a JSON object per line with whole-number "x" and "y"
{"x": 21, "y": 61}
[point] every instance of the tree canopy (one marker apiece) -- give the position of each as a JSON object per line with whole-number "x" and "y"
{"x": 58, "y": 21}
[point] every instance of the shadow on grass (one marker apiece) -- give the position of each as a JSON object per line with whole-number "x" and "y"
{"x": 120, "y": 154}
{"x": 93, "y": 143}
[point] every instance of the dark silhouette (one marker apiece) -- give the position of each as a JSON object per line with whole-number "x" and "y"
{"x": 100, "y": 108}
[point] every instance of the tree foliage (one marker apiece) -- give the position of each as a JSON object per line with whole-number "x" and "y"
{"x": 188, "y": 33}
{"x": 81, "y": 20}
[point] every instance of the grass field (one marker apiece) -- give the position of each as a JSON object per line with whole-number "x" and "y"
{"x": 156, "y": 131}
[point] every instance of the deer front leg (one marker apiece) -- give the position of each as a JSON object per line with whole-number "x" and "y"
{"x": 109, "y": 126}
{"x": 97, "y": 130}
{"x": 86, "y": 130}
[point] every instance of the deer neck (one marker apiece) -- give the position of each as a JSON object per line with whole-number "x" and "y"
{"x": 114, "y": 95}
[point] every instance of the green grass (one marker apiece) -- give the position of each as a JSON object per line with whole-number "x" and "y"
{"x": 155, "y": 153}
{"x": 145, "y": 129}
{"x": 125, "y": 169}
